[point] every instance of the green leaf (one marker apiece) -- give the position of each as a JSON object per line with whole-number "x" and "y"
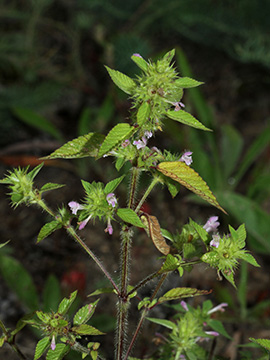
{"x": 48, "y": 229}
{"x": 231, "y": 147}
{"x": 23, "y": 322}
{"x": 129, "y": 216}
{"x": 102, "y": 291}
{"x": 187, "y": 82}
{"x": 33, "y": 173}
{"x": 121, "y": 80}
{"x": 119, "y": 163}
{"x": 187, "y": 119}
{"x": 20, "y": 281}
{"x": 241, "y": 235}
{"x": 230, "y": 278}
{"x": 170, "y": 264}
{"x": 173, "y": 187}
{"x": 249, "y": 212}
{"x": 143, "y": 113}
{"x": 140, "y": 62}
{"x": 37, "y": 121}
{"x": 167, "y": 235}
{"x": 169, "y": 56}
{"x": 166, "y": 323}
{"x": 248, "y": 258}
{"x": 42, "y": 346}
{"x": 83, "y": 146}
{"x": 51, "y": 186}
{"x": 66, "y": 303}
{"x": 203, "y": 234}
{"x": 85, "y": 329}
{"x": 217, "y": 325}
{"x": 2, "y": 245}
{"x": 180, "y": 293}
{"x": 85, "y": 313}
{"x": 51, "y": 294}
{"x": 265, "y": 343}
{"x": 112, "y": 185}
{"x": 117, "y": 135}
{"x": 58, "y": 353}
{"x": 186, "y": 176}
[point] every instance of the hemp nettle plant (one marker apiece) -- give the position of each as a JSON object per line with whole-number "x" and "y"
{"x": 155, "y": 94}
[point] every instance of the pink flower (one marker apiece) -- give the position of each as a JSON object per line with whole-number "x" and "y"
{"x": 125, "y": 143}
{"x": 141, "y": 144}
{"x": 186, "y": 157}
{"x": 74, "y": 206}
{"x": 178, "y": 105}
{"x": 53, "y": 345}
{"x": 138, "y": 55}
{"x": 83, "y": 223}
{"x": 184, "y": 305}
{"x": 215, "y": 241}
{"x": 111, "y": 199}
{"x": 220, "y": 307}
{"x": 211, "y": 224}
{"x": 109, "y": 227}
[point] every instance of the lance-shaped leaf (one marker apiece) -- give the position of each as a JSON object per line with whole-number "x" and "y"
{"x": 121, "y": 80}
{"x": 139, "y": 61}
{"x": 50, "y": 186}
{"x": 153, "y": 230}
{"x": 180, "y": 293}
{"x": 42, "y": 346}
{"x": 167, "y": 323}
{"x": 102, "y": 291}
{"x": 187, "y": 119}
{"x": 85, "y": 329}
{"x": 117, "y": 135}
{"x": 85, "y": 313}
{"x": 186, "y": 176}
{"x": 143, "y": 113}
{"x": 217, "y": 326}
{"x": 85, "y": 145}
{"x": 112, "y": 185}
{"x": 203, "y": 234}
{"x": 48, "y": 229}
{"x": 66, "y": 303}
{"x": 58, "y": 353}
{"x": 187, "y": 82}
{"x": 129, "y": 216}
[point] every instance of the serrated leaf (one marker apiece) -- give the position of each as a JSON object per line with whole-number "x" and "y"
{"x": 121, "y": 80}
{"x": 85, "y": 329}
{"x": 169, "y": 56}
{"x": 187, "y": 119}
{"x": 84, "y": 313}
{"x": 102, "y": 291}
{"x": 83, "y": 146}
{"x": 117, "y": 135}
{"x": 230, "y": 278}
{"x": 51, "y": 186}
{"x": 170, "y": 264}
{"x": 217, "y": 325}
{"x": 265, "y": 343}
{"x": 42, "y": 346}
{"x": 186, "y": 176}
{"x": 143, "y": 113}
{"x": 180, "y": 293}
{"x": 153, "y": 230}
{"x": 248, "y": 258}
{"x": 241, "y": 236}
{"x": 58, "y": 353}
{"x": 203, "y": 234}
{"x": 48, "y": 229}
{"x": 66, "y": 303}
{"x": 37, "y": 121}
{"x": 187, "y": 82}
{"x": 129, "y": 216}
{"x": 112, "y": 185}
{"x": 166, "y": 323}
{"x": 140, "y": 62}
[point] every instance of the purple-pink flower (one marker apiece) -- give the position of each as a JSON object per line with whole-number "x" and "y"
{"x": 186, "y": 158}
{"x": 74, "y": 206}
{"x": 184, "y": 305}
{"x": 111, "y": 199}
{"x": 83, "y": 223}
{"x": 178, "y": 105}
{"x": 219, "y": 307}
{"x": 141, "y": 144}
{"x": 53, "y": 345}
{"x": 138, "y": 55}
{"x": 212, "y": 224}
{"x": 109, "y": 227}
{"x": 215, "y": 241}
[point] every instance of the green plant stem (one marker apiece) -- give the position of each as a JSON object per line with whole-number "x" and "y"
{"x": 147, "y": 192}
{"x": 73, "y": 233}
{"x": 133, "y": 186}
{"x": 123, "y": 302}
{"x": 143, "y": 315}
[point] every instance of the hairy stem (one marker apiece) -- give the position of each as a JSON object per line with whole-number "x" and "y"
{"x": 123, "y": 302}
{"x": 143, "y": 315}
{"x": 147, "y": 192}
{"x": 133, "y": 186}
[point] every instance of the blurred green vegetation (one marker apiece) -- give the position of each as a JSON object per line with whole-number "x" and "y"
{"x": 53, "y": 83}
